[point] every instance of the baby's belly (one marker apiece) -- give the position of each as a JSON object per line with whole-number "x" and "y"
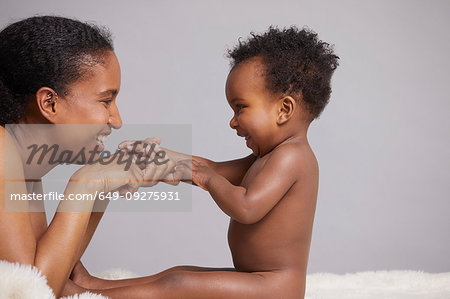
{"x": 255, "y": 249}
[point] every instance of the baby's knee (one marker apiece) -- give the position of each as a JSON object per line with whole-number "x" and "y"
{"x": 180, "y": 268}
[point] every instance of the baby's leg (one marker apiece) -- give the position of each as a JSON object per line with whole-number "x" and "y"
{"x": 206, "y": 284}
{"x": 100, "y": 284}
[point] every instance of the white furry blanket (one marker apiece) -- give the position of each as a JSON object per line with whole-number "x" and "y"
{"x": 379, "y": 285}
{"x": 26, "y": 282}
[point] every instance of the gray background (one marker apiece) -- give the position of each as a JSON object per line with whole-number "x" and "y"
{"x": 382, "y": 143}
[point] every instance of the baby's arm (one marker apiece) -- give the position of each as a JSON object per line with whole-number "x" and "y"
{"x": 251, "y": 203}
{"x": 233, "y": 170}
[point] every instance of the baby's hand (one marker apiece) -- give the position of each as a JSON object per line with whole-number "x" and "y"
{"x": 200, "y": 172}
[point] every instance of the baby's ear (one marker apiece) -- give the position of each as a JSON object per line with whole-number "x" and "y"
{"x": 286, "y": 109}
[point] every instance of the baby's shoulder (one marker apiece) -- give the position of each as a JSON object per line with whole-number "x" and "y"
{"x": 294, "y": 155}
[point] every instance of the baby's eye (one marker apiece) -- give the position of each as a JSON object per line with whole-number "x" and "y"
{"x": 239, "y": 107}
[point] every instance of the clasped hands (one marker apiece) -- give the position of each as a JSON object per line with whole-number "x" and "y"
{"x": 158, "y": 164}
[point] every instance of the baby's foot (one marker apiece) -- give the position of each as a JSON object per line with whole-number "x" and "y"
{"x": 81, "y": 277}
{"x": 71, "y": 288}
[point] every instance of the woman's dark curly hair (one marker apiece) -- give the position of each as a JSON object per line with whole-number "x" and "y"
{"x": 296, "y": 63}
{"x": 45, "y": 51}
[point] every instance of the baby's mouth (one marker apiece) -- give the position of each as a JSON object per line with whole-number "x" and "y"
{"x": 242, "y": 135}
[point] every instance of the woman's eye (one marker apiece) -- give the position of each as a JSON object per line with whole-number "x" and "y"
{"x": 239, "y": 107}
{"x": 107, "y": 102}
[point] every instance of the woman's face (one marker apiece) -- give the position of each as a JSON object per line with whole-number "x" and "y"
{"x": 90, "y": 105}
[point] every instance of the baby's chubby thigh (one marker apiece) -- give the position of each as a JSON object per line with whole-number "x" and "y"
{"x": 284, "y": 284}
{"x": 229, "y": 284}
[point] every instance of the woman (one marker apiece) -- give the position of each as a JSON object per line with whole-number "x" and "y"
{"x": 55, "y": 70}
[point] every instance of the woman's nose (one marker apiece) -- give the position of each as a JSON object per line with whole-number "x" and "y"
{"x": 114, "y": 118}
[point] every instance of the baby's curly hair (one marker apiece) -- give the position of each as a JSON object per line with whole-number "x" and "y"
{"x": 297, "y": 64}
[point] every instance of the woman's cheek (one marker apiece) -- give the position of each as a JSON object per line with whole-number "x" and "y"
{"x": 99, "y": 116}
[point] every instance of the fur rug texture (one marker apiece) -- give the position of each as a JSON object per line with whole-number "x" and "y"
{"x": 26, "y": 282}
{"x": 379, "y": 285}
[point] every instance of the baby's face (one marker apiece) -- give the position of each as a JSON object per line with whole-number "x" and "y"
{"x": 255, "y": 108}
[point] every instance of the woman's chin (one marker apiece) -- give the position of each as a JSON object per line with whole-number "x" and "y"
{"x": 95, "y": 152}
{"x": 100, "y": 147}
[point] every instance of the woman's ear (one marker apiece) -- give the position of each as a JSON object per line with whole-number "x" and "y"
{"x": 47, "y": 100}
{"x": 286, "y": 109}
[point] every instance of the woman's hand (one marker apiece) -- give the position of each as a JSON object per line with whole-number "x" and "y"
{"x": 154, "y": 161}
{"x": 108, "y": 177}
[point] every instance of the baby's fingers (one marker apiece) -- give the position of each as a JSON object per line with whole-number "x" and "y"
{"x": 198, "y": 180}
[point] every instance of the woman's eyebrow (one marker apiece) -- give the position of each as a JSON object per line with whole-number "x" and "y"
{"x": 111, "y": 92}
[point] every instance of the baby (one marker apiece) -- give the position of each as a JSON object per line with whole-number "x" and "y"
{"x": 278, "y": 84}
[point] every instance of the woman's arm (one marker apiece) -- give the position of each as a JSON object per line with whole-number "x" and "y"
{"x": 53, "y": 253}
{"x": 60, "y": 246}
{"x": 58, "y": 250}
{"x": 39, "y": 220}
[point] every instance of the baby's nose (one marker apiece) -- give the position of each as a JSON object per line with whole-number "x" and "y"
{"x": 233, "y": 123}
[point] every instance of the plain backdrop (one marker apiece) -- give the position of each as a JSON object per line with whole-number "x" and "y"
{"x": 382, "y": 143}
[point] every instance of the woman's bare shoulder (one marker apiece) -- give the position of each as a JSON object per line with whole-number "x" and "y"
{"x": 11, "y": 164}
{"x": 12, "y": 177}
{"x": 16, "y": 233}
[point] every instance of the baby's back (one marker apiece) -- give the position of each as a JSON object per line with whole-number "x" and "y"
{"x": 281, "y": 239}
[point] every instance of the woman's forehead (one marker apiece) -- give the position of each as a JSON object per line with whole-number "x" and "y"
{"x": 99, "y": 79}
